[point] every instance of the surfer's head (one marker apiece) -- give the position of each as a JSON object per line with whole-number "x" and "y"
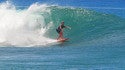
{"x": 62, "y": 23}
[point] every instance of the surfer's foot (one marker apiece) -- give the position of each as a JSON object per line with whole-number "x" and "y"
{"x": 60, "y": 38}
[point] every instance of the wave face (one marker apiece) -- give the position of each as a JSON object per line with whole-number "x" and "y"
{"x": 36, "y": 26}
{"x": 89, "y": 27}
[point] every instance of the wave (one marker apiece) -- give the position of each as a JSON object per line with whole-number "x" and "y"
{"x": 36, "y": 25}
{"x": 23, "y": 27}
{"x": 89, "y": 27}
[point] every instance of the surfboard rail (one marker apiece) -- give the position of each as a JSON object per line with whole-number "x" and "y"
{"x": 63, "y": 40}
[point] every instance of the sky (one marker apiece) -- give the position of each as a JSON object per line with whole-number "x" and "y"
{"x": 76, "y": 3}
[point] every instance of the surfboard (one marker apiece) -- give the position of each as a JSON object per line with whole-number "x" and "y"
{"x": 63, "y": 40}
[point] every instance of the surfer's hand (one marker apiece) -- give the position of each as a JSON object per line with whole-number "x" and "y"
{"x": 70, "y": 28}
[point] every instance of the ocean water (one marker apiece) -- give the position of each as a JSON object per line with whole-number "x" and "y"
{"x": 28, "y": 35}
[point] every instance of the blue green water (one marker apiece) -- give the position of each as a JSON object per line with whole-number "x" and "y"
{"x": 88, "y": 26}
{"x": 63, "y": 58}
{"x": 96, "y": 42}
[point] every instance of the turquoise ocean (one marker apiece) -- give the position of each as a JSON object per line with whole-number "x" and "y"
{"x": 28, "y": 36}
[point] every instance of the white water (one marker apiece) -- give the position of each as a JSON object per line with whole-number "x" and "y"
{"x": 23, "y": 27}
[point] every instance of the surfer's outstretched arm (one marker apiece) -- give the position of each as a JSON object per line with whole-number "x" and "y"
{"x": 68, "y": 27}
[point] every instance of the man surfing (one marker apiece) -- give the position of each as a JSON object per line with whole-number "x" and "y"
{"x": 60, "y": 30}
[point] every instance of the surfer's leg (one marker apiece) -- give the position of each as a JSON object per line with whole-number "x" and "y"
{"x": 61, "y": 35}
{"x": 58, "y": 37}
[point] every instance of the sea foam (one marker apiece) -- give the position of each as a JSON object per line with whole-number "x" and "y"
{"x": 23, "y": 27}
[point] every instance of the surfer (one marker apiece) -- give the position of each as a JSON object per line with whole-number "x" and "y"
{"x": 60, "y": 30}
